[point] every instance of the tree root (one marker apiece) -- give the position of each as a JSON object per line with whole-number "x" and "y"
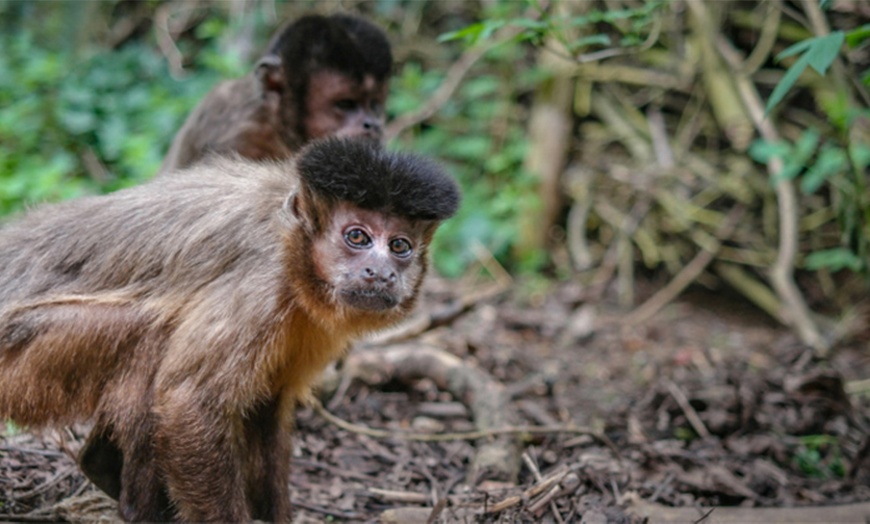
{"x": 498, "y": 456}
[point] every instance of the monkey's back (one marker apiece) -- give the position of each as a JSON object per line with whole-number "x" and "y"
{"x": 89, "y": 286}
{"x": 169, "y": 228}
{"x": 234, "y": 117}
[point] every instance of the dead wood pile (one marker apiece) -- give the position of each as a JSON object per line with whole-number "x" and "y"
{"x": 658, "y": 170}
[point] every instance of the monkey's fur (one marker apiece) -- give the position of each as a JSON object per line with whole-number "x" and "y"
{"x": 187, "y": 315}
{"x": 320, "y": 76}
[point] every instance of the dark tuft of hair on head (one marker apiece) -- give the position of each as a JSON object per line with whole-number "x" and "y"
{"x": 346, "y": 43}
{"x": 368, "y": 176}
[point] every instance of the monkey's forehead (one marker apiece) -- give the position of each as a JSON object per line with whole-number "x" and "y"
{"x": 370, "y": 177}
{"x": 351, "y": 44}
{"x": 345, "y": 213}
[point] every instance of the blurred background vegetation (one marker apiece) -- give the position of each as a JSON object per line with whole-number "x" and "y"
{"x": 610, "y": 142}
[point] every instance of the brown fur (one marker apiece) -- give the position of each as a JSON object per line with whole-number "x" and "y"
{"x": 321, "y": 76}
{"x": 187, "y": 316}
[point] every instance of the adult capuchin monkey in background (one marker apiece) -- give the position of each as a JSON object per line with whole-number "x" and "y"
{"x": 187, "y": 315}
{"x": 320, "y": 76}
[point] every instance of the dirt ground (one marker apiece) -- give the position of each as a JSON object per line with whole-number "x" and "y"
{"x": 708, "y": 406}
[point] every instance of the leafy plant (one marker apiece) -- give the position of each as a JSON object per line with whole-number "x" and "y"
{"x": 818, "y": 165}
{"x": 77, "y": 123}
{"x": 818, "y": 53}
{"x": 819, "y": 456}
{"x": 838, "y": 164}
{"x": 480, "y": 138}
{"x": 610, "y": 28}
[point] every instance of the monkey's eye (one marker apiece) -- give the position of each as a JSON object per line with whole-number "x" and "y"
{"x": 400, "y": 247}
{"x": 357, "y": 238}
{"x": 346, "y": 104}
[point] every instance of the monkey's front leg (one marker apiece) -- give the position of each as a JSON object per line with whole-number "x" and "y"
{"x": 268, "y": 430}
{"x": 198, "y": 447}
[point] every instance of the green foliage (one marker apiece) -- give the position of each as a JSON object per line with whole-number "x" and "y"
{"x": 830, "y": 166}
{"x": 819, "y": 456}
{"x": 818, "y": 53}
{"x": 483, "y": 147}
{"x": 685, "y": 434}
{"x": 625, "y": 27}
{"x": 836, "y": 165}
{"x": 10, "y": 429}
{"x": 91, "y": 122}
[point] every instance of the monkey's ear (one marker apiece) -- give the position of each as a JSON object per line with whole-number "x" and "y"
{"x": 270, "y": 73}
{"x": 301, "y": 208}
{"x": 291, "y": 210}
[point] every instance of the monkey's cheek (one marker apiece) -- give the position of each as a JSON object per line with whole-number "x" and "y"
{"x": 369, "y": 299}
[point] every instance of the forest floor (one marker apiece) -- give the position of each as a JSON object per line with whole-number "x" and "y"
{"x": 707, "y": 412}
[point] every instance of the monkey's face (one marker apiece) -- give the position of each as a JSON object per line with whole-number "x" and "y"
{"x": 373, "y": 262}
{"x": 338, "y": 105}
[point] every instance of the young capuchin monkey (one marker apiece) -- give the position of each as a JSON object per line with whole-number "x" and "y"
{"x": 186, "y": 316}
{"x": 320, "y": 76}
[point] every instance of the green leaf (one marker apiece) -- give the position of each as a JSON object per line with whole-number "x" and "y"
{"x": 528, "y": 23}
{"x": 785, "y": 85}
{"x": 799, "y": 157}
{"x": 466, "y": 33}
{"x": 834, "y": 259}
{"x": 599, "y": 39}
{"x": 825, "y": 50}
{"x": 860, "y": 155}
{"x": 474, "y": 33}
{"x": 210, "y": 28}
{"x": 763, "y": 151}
{"x": 832, "y": 160}
{"x": 794, "y": 49}
{"x": 806, "y": 144}
{"x": 77, "y": 122}
{"x": 479, "y": 87}
{"x": 857, "y": 36}
{"x": 820, "y": 54}
{"x": 470, "y": 147}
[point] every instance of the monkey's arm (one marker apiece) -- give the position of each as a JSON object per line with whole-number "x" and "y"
{"x": 198, "y": 451}
{"x": 213, "y": 379}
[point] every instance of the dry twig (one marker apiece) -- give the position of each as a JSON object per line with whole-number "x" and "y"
{"x": 361, "y": 429}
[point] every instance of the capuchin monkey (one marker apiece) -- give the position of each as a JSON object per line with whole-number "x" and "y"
{"x": 186, "y": 316}
{"x": 320, "y": 76}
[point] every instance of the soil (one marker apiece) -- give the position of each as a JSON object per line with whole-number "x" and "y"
{"x": 708, "y": 405}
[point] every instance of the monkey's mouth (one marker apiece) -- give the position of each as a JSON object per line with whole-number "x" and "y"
{"x": 369, "y": 299}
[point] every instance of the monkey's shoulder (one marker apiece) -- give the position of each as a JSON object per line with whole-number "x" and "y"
{"x": 225, "y": 117}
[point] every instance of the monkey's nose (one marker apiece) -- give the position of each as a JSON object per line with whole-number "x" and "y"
{"x": 372, "y": 126}
{"x": 373, "y": 276}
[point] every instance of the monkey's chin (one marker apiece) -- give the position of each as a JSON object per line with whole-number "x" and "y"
{"x": 369, "y": 299}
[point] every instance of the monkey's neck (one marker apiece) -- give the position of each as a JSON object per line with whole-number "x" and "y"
{"x": 309, "y": 338}
{"x": 304, "y": 348}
